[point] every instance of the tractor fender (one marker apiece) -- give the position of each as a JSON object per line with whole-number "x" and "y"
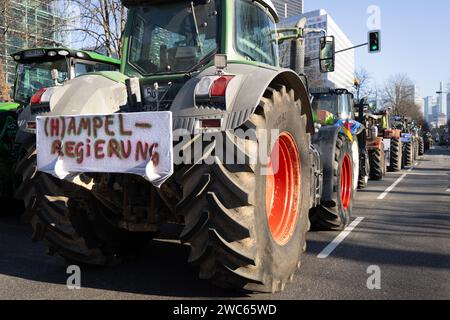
{"x": 89, "y": 94}
{"x": 255, "y": 85}
{"x": 325, "y": 142}
{"x": 375, "y": 144}
{"x": 243, "y": 96}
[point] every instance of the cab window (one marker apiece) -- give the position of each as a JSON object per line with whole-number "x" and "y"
{"x": 256, "y": 33}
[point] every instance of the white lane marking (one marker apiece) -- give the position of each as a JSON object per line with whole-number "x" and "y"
{"x": 339, "y": 239}
{"x": 448, "y": 190}
{"x": 388, "y": 190}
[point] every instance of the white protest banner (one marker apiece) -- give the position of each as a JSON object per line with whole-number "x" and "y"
{"x": 129, "y": 143}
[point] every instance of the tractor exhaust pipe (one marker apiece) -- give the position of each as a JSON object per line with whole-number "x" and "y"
{"x": 298, "y": 49}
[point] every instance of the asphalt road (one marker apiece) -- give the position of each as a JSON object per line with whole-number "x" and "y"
{"x": 406, "y": 237}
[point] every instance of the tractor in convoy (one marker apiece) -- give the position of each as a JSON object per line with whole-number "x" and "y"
{"x": 409, "y": 140}
{"x": 38, "y": 69}
{"x": 385, "y": 146}
{"x": 201, "y": 128}
{"x": 336, "y": 107}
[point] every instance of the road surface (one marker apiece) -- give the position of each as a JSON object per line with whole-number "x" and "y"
{"x": 405, "y": 236}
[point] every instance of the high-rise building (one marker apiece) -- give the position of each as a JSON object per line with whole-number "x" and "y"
{"x": 442, "y": 99}
{"x": 416, "y": 97}
{"x": 448, "y": 101}
{"x": 344, "y": 74}
{"x": 288, "y": 8}
{"x": 27, "y": 24}
{"x": 429, "y": 103}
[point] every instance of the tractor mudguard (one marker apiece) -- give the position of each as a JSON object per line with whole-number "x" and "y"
{"x": 243, "y": 96}
{"x": 375, "y": 144}
{"x": 325, "y": 142}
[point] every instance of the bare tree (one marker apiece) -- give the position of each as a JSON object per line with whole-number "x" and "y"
{"x": 398, "y": 94}
{"x": 98, "y": 25}
{"x": 363, "y": 86}
{"x": 4, "y": 88}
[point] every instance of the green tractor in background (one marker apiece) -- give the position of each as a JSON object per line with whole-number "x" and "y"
{"x": 38, "y": 69}
{"x": 201, "y": 128}
{"x": 336, "y": 107}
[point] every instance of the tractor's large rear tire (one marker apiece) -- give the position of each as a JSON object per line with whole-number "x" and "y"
{"x": 408, "y": 155}
{"x": 421, "y": 146}
{"x": 25, "y": 171}
{"x": 246, "y": 231}
{"x": 70, "y": 221}
{"x": 335, "y": 215}
{"x": 377, "y": 164}
{"x": 396, "y": 156}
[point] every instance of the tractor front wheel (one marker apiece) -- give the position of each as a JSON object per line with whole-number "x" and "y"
{"x": 335, "y": 215}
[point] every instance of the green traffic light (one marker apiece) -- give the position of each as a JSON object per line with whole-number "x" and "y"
{"x": 374, "y": 41}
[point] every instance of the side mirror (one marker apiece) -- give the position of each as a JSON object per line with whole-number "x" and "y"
{"x": 327, "y": 54}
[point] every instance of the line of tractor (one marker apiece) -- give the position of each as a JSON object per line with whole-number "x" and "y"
{"x": 196, "y": 73}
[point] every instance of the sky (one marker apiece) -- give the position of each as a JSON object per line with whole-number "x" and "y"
{"x": 415, "y": 38}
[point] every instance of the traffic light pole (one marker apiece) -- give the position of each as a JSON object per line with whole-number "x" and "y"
{"x": 355, "y": 47}
{"x": 348, "y": 49}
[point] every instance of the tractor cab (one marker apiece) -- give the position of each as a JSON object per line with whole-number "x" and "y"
{"x": 172, "y": 42}
{"x": 48, "y": 67}
{"x": 336, "y": 104}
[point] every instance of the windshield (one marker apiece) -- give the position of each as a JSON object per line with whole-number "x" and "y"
{"x": 173, "y": 37}
{"x": 339, "y": 105}
{"x": 34, "y": 76}
{"x": 88, "y": 67}
{"x": 326, "y": 102}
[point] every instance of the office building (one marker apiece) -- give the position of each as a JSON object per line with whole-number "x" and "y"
{"x": 344, "y": 74}
{"x": 288, "y": 8}
{"x": 26, "y": 24}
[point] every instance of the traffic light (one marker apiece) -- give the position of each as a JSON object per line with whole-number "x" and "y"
{"x": 374, "y": 42}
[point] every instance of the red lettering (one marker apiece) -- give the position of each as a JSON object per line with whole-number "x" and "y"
{"x": 54, "y": 127}
{"x": 56, "y": 147}
{"x": 126, "y": 152}
{"x": 84, "y": 125}
{"x": 79, "y": 152}
{"x": 46, "y": 127}
{"x": 123, "y": 132}
{"x": 88, "y": 148}
{"x": 154, "y": 154}
{"x": 98, "y": 149}
{"x": 69, "y": 149}
{"x": 72, "y": 129}
{"x": 108, "y": 123}
{"x": 142, "y": 151}
{"x": 114, "y": 148}
{"x": 97, "y": 124}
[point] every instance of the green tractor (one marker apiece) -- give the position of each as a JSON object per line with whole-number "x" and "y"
{"x": 336, "y": 107}
{"x": 38, "y": 69}
{"x": 201, "y": 128}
